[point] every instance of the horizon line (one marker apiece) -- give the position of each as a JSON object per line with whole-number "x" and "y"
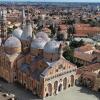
{"x": 55, "y": 1}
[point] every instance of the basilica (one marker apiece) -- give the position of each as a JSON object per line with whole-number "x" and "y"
{"x": 34, "y": 60}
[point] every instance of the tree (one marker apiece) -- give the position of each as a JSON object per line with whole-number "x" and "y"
{"x": 71, "y": 28}
{"x": 71, "y": 31}
{"x": 69, "y": 54}
{"x": 9, "y": 30}
{"x": 75, "y": 44}
{"x": 93, "y": 23}
{"x": 60, "y": 37}
{"x": 52, "y": 30}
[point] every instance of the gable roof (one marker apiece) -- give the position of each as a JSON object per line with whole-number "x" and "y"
{"x": 84, "y": 56}
{"x": 89, "y": 68}
{"x": 52, "y": 65}
{"x": 85, "y": 48}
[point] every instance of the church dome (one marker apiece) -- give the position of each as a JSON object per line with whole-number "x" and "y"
{"x": 17, "y": 32}
{"x": 42, "y": 35}
{"x": 51, "y": 47}
{"x": 12, "y": 45}
{"x": 38, "y": 43}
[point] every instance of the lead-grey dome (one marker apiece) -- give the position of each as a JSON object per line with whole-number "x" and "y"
{"x": 12, "y": 45}
{"x": 17, "y": 32}
{"x": 12, "y": 42}
{"x": 42, "y": 35}
{"x": 51, "y": 47}
{"x": 38, "y": 43}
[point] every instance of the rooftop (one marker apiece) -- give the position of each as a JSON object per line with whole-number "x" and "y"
{"x": 84, "y": 56}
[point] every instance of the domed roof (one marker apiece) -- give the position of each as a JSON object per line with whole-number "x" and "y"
{"x": 52, "y": 46}
{"x": 38, "y": 43}
{"x": 17, "y": 32}
{"x": 27, "y": 32}
{"x": 42, "y": 35}
{"x": 13, "y": 42}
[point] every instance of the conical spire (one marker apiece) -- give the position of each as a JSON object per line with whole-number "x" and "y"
{"x": 28, "y": 19}
{"x": 23, "y": 18}
{"x": 27, "y": 31}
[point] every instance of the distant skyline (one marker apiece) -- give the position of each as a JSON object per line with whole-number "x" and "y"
{"x": 54, "y": 0}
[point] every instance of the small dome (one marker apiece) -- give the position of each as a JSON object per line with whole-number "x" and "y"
{"x": 12, "y": 42}
{"x": 51, "y": 47}
{"x": 38, "y": 43}
{"x": 12, "y": 45}
{"x": 42, "y": 35}
{"x": 17, "y": 32}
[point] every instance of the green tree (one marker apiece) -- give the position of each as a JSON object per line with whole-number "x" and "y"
{"x": 75, "y": 44}
{"x": 69, "y": 54}
{"x": 71, "y": 28}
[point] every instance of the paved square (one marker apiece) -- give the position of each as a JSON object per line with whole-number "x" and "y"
{"x": 74, "y": 93}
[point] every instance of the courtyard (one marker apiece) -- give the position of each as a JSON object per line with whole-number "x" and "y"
{"x": 74, "y": 93}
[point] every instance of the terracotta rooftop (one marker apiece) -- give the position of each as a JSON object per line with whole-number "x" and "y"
{"x": 86, "y": 29}
{"x": 97, "y": 51}
{"x": 89, "y": 68}
{"x": 89, "y": 75}
{"x": 84, "y": 56}
{"x": 47, "y": 30}
{"x": 85, "y": 48}
{"x": 63, "y": 27}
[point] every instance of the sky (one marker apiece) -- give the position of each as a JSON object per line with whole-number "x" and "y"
{"x": 56, "y": 0}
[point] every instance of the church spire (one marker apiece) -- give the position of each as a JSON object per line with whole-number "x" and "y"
{"x": 23, "y": 17}
{"x": 28, "y": 19}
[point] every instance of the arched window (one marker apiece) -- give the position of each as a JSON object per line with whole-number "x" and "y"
{"x": 60, "y": 88}
{"x": 55, "y": 87}
{"x": 72, "y": 80}
{"x": 50, "y": 89}
{"x": 64, "y": 83}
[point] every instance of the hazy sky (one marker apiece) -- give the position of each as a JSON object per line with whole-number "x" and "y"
{"x": 56, "y": 0}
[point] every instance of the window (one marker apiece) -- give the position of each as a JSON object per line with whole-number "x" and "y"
{"x": 64, "y": 68}
{"x": 15, "y": 77}
{"x": 60, "y": 66}
{"x": 56, "y": 70}
{"x": 51, "y": 59}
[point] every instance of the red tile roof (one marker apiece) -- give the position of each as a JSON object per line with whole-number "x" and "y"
{"x": 89, "y": 68}
{"x": 85, "y": 48}
{"x": 84, "y": 56}
{"x": 86, "y": 29}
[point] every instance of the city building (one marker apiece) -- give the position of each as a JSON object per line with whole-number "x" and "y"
{"x": 89, "y": 76}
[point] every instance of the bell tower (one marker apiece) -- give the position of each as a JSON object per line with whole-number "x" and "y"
{"x": 26, "y": 37}
{"x": 3, "y": 25}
